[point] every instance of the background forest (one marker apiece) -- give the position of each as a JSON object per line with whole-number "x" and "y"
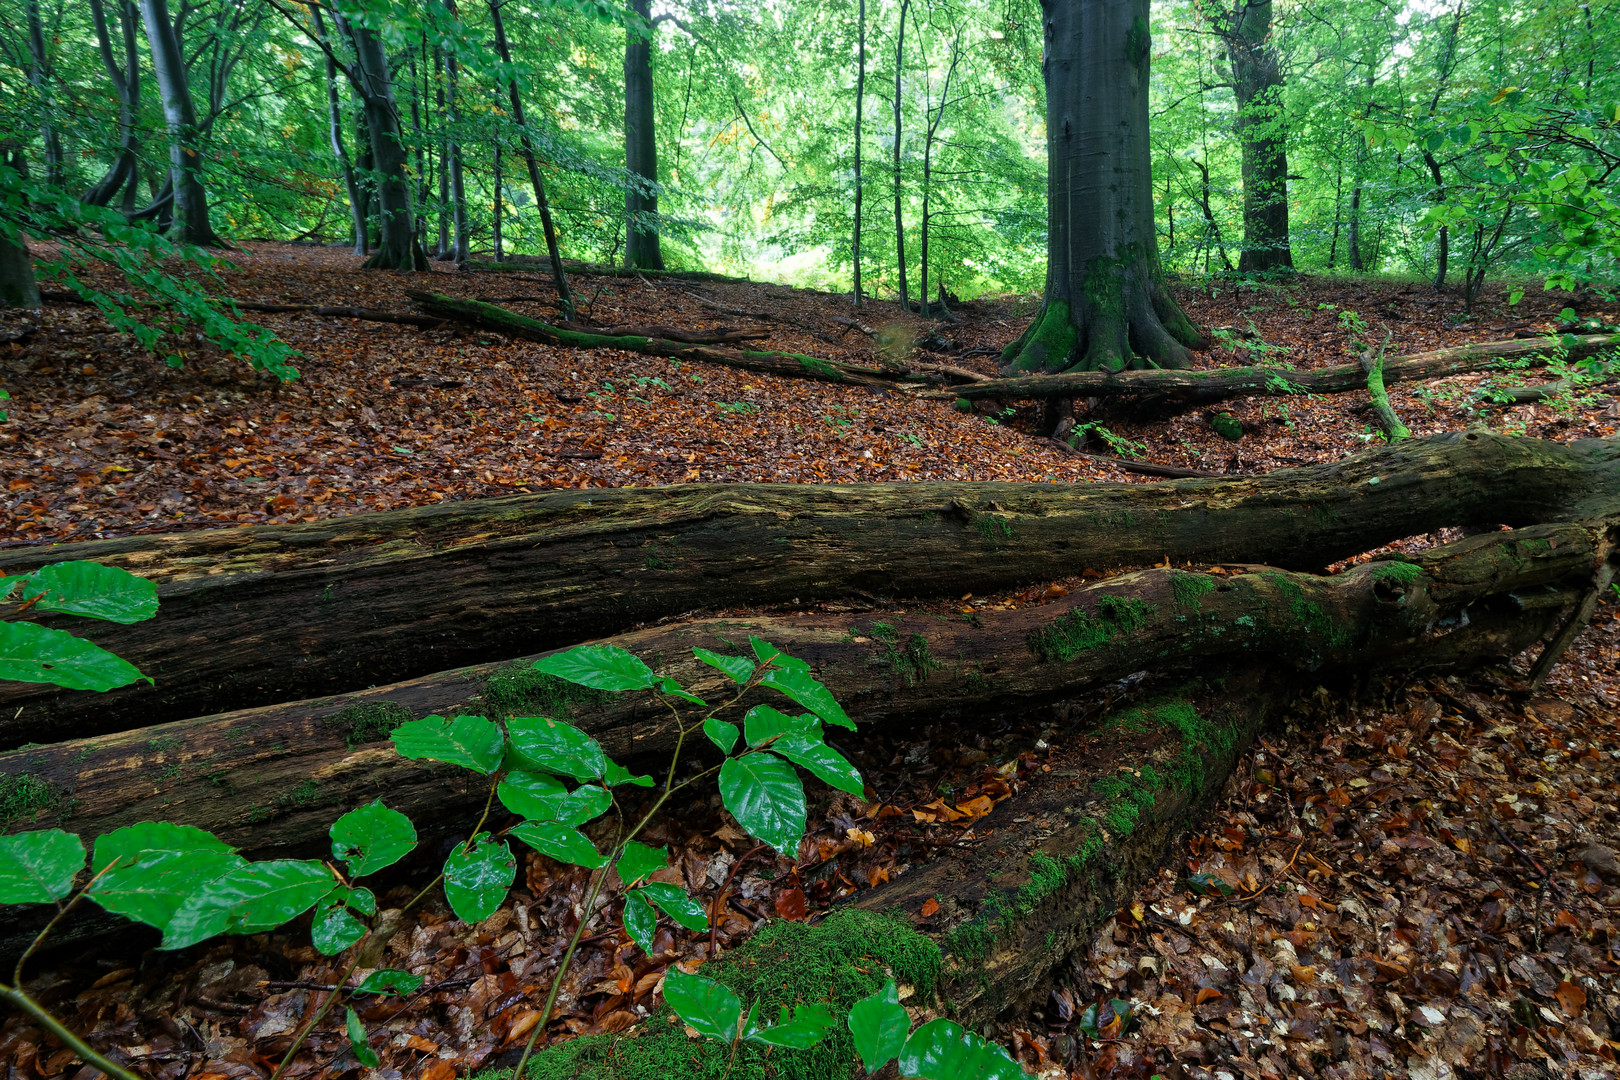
{"x": 1447, "y": 141}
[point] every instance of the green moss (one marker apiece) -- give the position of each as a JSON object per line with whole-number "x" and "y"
{"x": 993, "y": 528}
{"x": 1138, "y": 42}
{"x": 519, "y": 690}
{"x": 1190, "y": 589}
{"x": 1304, "y": 614}
{"x": 26, "y": 798}
{"x": 165, "y": 743}
{"x": 300, "y": 795}
{"x": 908, "y": 657}
{"x": 1226, "y": 426}
{"x": 838, "y": 961}
{"x": 812, "y": 365}
{"x": 1403, "y": 573}
{"x": 367, "y": 723}
{"x": 1049, "y": 343}
{"x": 1075, "y": 631}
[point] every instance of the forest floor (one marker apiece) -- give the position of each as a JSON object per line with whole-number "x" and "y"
{"x": 1422, "y": 885}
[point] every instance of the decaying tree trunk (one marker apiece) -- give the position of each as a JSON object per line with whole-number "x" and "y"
{"x": 1189, "y": 389}
{"x": 271, "y": 780}
{"x": 269, "y": 613}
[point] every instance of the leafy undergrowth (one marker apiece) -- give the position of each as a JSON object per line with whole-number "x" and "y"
{"x": 103, "y": 440}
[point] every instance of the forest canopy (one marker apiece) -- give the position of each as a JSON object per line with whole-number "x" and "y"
{"x": 1445, "y": 140}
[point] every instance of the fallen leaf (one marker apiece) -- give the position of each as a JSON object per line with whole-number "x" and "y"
{"x": 930, "y": 908}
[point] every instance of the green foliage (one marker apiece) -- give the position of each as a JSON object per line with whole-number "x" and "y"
{"x": 476, "y": 877}
{"x": 38, "y": 867}
{"x": 372, "y": 837}
{"x": 469, "y": 741}
{"x": 29, "y": 797}
{"x": 33, "y": 653}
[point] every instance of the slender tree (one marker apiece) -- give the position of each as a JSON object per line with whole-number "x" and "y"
{"x": 1257, "y": 82}
{"x": 1107, "y": 306}
{"x": 565, "y": 297}
{"x": 126, "y": 80}
{"x": 860, "y": 99}
{"x": 188, "y": 212}
{"x": 641, "y": 247}
{"x": 334, "y": 127}
{"x": 899, "y": 209}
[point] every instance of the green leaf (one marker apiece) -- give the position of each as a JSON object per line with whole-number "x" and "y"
{"x": 601, "y": 667}
{"x": 582, "y": 804}
{"x": 335, "y": 929}
{"x": 93, "y": 591}
{"x": 640, "y": 921}
{"x": 476, "y": 878}
{"x": 561, "y": 842}
{"x": 371, "y": 837}
{"x": 809, "y": 752}
{"x": 1207, "y": 885}
{"x": 532, "y": 795}
{"x": 765, "y": 796}
{"x": 616, "y": 774}
{"x": 722, "y": 733}
{"x": 763, "y": 723}
{"x": 712, "y": 1009}
{"x": 360, "y": 1043}
{"x": 639, "y": 861}
{"x": 770, "y": 654}
{"x": 798, "y": 684}
{"x": 674, "y": 902}
{"x": 879, "y": 1024}
{"x": 251, "y": 898}
{"x": 39, "y": 867}
{"x": 942, "y": 1050}
{"x": 469, "y": 741}
{"x": 389, "y": 981}
{"x": 39, "y": 654}
{"x": 153, "y": 884}
{"x": 739, "y": 668}
{"x": 131, "y": 840}
{"x": 556, "y": 747}
{"x": 808, "y": 1026}
{"x": 674, "y": 689}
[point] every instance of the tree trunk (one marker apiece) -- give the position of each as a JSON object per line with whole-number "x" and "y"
{"x": 369, "y": 74}
{"x": 267, "y": 613}
{"x": 189, "y": 222}
{"x": 565, "y": 297}
{"x": 1258, "y": 82}
{"x": 40, "y": 73}
{"x": 860, "y": 100}
{"x": 899, "y": 213}
{"x": 1185, "y": 389}
{"x": 641, "y": 248}
{"x": 497, "y": 210}
{"x": 458, "y": 185}
{"x": 18, "y": 287}
{"x": 1107, "y": 307}
{"x": 126, "y": 81}
{"x": 271, "y": 780}
{"x": 334, "y": 125}
{"x": 443, "y": 250}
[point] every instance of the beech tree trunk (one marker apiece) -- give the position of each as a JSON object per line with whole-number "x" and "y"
{"x": 126, "y": 80}
{"x": 860, "y": 101}
{"x": 397, "y": 248}
{"x": 261, "y": 614}
{"x": 641, "y": 247}
{"x": 899, "y": 213}
{"x": 334, "y": 126}
{"x": 189, "y": 222}
{"x": 1107, "y": 307}
{"x": 18, "y": 286}
{"x": 1257, "y": 81}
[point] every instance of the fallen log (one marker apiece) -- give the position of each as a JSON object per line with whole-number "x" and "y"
{"x": 272, "y": 780}
{"x": 269, "y": 779}
{"x": 668, "y": 333}
{"x": 526, "y": 264}
{"x": 1187, "y": 389}
{"x": 260, "y": 614}
{"x": 793, "y": 365}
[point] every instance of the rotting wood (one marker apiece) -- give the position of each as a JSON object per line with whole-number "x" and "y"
{"x": 259, "y": 614}
{"x": 793, "y": 365}
{"x": 1187, "y": 389}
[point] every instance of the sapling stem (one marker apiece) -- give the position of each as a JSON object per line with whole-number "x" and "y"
{"x": 15, "y": 996}
{"x": 320, "y": 1014}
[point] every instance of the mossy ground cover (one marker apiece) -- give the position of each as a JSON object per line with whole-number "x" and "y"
{"x": 836, "y": 962}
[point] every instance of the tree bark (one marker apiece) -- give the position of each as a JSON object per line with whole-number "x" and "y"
{"x": 1186, "y": 389}
{"x": 189, "y": 222}
{"x": 18, "y": 286}
{"x": 272, "y": 780}
{"x": 860, "y": 102}
{"x": 40, "y": 74}
{"x": 458, "y": 186}
{"x": 1257, "y": 81}
{"x": 126, "y": 80}
{"x": 899, "y": 213}
{"x": 565, "y": 297}
{"x": 1107, "y": 307}
{"x": 641, "y": 248}
{"x": 334, "y": 125}
{"x": 373, "y": 83}
{"x": 267, "y": 613}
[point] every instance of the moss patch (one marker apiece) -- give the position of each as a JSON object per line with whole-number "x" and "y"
{"x": 1050, "y": 341}
{"x": 1403, "y": 573}
{"x": 1075, "y": 631}
{"x": 1190, "y": 589}
{"x": 26, "y": 798}
{"x": 908, "y": 657}
{"x": 519, "y": 690}
{"x": 838, "y": 961}
{"x": 1226, "y": 426}
{"x": 368, "y": 723}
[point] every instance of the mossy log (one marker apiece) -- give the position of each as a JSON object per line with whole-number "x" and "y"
{"x": 1188, "y": 389}
{"x": 793, "y": 365}
{"x": 263, "y": 614}
{"x": 271, "y": 780}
